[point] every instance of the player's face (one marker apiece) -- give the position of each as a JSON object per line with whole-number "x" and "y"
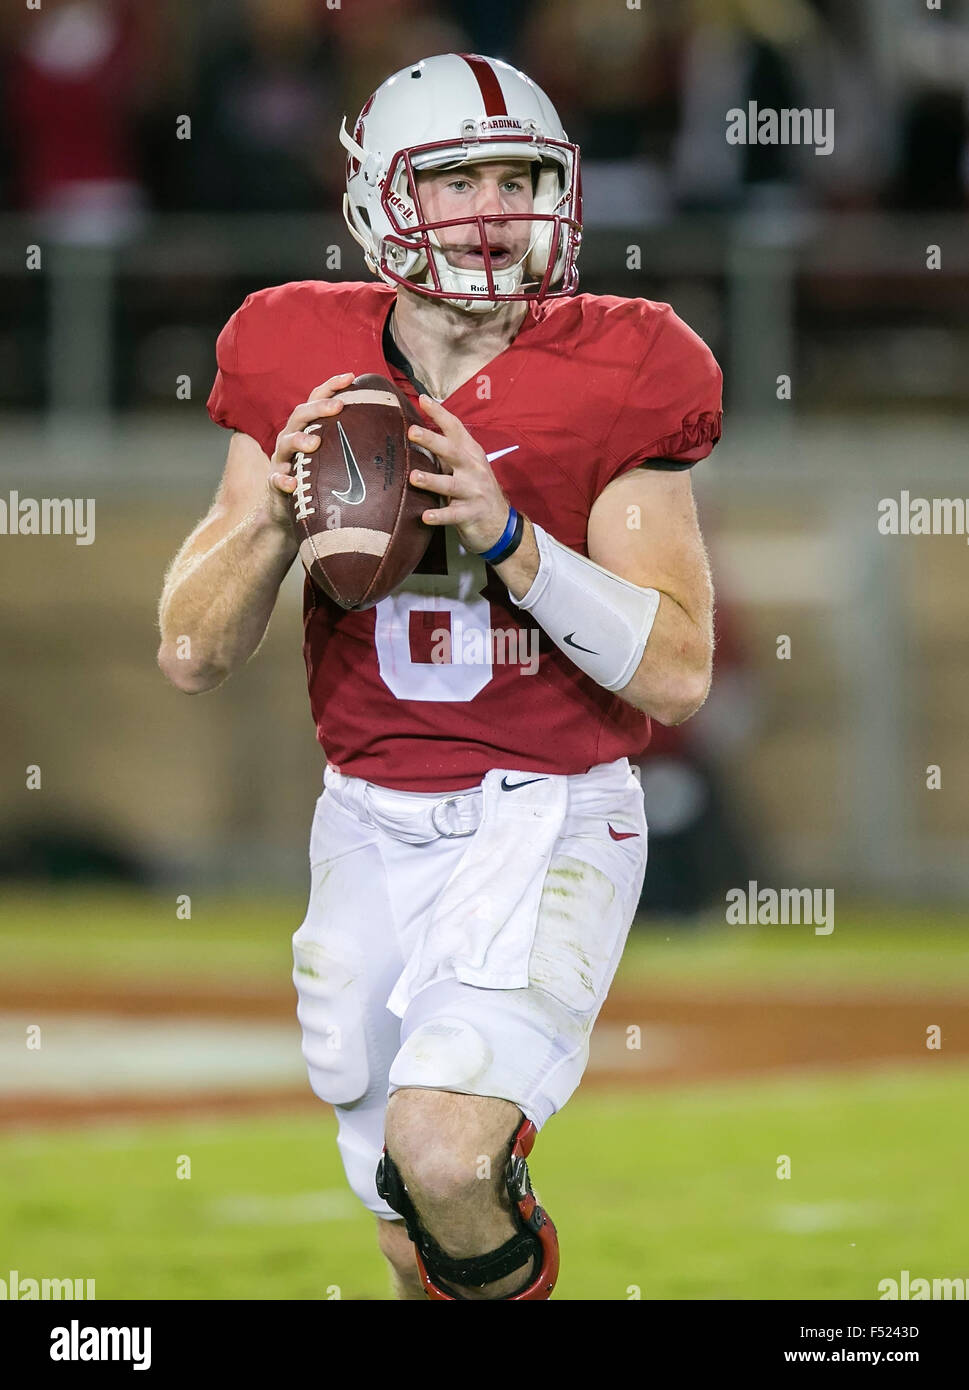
{"x": 477, "y": 190}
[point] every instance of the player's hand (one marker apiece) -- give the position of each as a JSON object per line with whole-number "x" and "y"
{"x": 476, "y": 506}
{"x": 293, "y": 440}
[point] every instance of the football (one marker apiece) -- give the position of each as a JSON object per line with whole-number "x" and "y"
{"x": 355, "y": 513}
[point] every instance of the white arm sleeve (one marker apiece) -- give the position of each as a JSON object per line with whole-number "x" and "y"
{"x": 600, "y": 621}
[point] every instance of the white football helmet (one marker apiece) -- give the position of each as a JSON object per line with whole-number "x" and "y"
{"x": 440, "y": 113}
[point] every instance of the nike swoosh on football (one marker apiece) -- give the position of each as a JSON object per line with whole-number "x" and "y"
{"x": 507, "y": 786}
{"x": 500, "y": 453}
{"x": 578, "y": 645}
{"x": 357, "y": 489}
{"x": 623, "y": 834}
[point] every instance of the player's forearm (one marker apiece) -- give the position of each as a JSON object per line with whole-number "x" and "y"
{"x": 673, "y": 678}
{"x": 638, "y": 641}
{"x": 217, "y": 601}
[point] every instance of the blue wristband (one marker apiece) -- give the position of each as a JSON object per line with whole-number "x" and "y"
{"x": 501, "y": 544}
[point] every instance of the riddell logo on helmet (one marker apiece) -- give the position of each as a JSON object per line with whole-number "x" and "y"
{"x": 395, "y": 201}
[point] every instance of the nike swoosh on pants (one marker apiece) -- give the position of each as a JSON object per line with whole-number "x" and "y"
{"x": 623, "y": 834}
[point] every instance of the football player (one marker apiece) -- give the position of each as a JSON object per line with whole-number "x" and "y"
{"x": 479, "y": 848}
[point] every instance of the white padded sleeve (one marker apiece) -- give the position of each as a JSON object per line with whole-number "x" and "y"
{"x": 600, "y": 621}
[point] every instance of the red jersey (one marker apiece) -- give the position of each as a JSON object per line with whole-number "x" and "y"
{"x": 591, "y": 386}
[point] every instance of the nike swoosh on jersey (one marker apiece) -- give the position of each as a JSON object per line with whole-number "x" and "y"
{"x": 578, "y": 645}
{"x": 623, "y": 834}
{"x": 500, "y": 453}
{"x": 357, "y": 490}
{"x": 507, "y": 786}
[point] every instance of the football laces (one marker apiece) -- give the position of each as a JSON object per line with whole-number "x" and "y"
{"x": 302, "y": 493}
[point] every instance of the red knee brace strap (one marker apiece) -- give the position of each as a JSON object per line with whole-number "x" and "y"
{"x": 536, "y": 1233}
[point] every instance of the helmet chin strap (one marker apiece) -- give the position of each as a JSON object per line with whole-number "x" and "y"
{"x": 452, "y": 279}
{"x": 457, "y": 279}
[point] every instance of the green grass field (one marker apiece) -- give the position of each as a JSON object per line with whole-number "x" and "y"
{"x": 675, "y": 1195}
{"x": 92, "y": 934}
{"x": 668, "y": 1193}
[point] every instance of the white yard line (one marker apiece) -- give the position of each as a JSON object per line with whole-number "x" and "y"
{"x": 100, "y": 1054}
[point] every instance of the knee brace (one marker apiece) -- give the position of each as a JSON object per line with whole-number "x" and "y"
{"x": 536, "y": 1235}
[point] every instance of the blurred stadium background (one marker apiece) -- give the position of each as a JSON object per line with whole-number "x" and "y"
{"x": 149, "y": 885}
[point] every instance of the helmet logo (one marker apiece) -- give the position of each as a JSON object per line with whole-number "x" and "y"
{"x": 499, "y": 123}
{"x": 353, "y": 165}
{"x": 489, "y": 125}
{"x": 395, "y": 201}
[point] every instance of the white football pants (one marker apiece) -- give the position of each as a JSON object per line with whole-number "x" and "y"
{"x": 371, "y": 895}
